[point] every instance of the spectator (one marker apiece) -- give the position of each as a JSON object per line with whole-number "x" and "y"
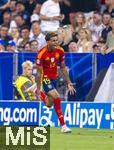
{"x": 15, "y": 34}
{"x": 11, "y": 47}
{"x": 20, "y": 9}
{"x": 34, "y": 45}
{"x": 4, "y": 4}
{"x": 37, "y": 9}
{"x": 84, "y": 43}
{"x": 106, "y": 22}
{"x": 35, "y": 17}
{"x": 80, "y": 21}
{"x": 110, "y": 38}
{"x": 72, "y": 47}
{"x": 65, "y": 36}
{"x": 100, "y": 46}
{"x": 20, "y": 22}
{"x": 51, "y": 17}
{"x": 84, "y": 5}
{"x": 75, "y": 37}
{"x": 65, "y": 9}
{"x": 30, "y": 6}
{"x": 12, "y": 7}
{"x": 24, "y": 38}
{"x": 7, "y": 18}
{"x": 4, "y": 37}
{"x": 109, "y": 7}
{"x": 96, "y": 27}
{"x": 27, "y": 47}
{"x": 37, "y": 35}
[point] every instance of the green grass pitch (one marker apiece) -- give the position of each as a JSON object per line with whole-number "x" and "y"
{"x": 82, "y": 139}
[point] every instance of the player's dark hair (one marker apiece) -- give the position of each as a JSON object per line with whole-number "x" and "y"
{"x": 49, "y": 35}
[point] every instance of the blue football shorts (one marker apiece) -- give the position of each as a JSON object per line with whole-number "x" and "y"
{"x": 49, "y": 84}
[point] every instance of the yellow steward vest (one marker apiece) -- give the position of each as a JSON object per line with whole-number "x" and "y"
{"x": 22, "y": 83}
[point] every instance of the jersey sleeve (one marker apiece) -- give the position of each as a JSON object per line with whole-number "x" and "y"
{"x": 62, "y": 54}
{"x": 39, "y": 60}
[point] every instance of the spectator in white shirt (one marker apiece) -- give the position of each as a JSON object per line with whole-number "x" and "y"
{"x": 37, "y": 35}
{"x": 96, "y": 26}
{"x": 50, "y": 15}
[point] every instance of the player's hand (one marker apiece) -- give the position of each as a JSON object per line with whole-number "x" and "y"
{"x": 71, "y": 89}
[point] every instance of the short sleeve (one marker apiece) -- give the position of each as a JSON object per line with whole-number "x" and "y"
{"x": 62, "y": 54}
{"x": 43, "y": 10}
{"x": 39, "y": 60}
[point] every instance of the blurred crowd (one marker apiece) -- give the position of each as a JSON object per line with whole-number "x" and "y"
{"x": 82, "y": 25}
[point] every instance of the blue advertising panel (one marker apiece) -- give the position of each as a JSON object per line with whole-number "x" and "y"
{"x": 76, "y": 114}
{"x": 6, "y": 75}
{"x": 80, "y": 71}
{"x": 82, "y": 115}
{"x": 19, "y": 113}
{"x": 104, "y": 61}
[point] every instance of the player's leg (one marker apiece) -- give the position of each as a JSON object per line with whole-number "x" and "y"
{"x": 49, "y": 101}
{"x": 49, "y": 87}
{"x": 57, "y": 106}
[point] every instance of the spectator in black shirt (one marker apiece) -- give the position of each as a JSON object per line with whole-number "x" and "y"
{"x": 20, "y": 22}
{"x": 65, "y": 9}
{"x": 6, "y": 18}
{"x": 4, "y": 4}
{"x": 109, "y": 7}
{"x": 84, "y": 5}
{"x": 30, "y": 5}
{"x": 20, "y": 9}
{"x": 106, "y": 22}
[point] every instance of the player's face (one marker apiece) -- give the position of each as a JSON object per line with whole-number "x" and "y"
{"x": 53, "y": 42}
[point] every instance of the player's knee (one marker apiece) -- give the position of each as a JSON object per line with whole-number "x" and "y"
{"x": 54, "y": 94}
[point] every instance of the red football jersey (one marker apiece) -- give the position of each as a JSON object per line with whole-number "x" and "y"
{"x": 49, "y": 60}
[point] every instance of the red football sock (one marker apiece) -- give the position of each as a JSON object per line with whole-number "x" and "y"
{"x": 58, "y": 110}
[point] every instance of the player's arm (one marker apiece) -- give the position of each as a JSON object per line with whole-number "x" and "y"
{"x": 39, "y": 77}
{"x": 64, "y": 71}
{"x": 66, "y": 76}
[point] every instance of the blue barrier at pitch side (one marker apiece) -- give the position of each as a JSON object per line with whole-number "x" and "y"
{"x": 82, "y": 115}
{"x": 79, "y": 65}
{"x": 6, "y": 75}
